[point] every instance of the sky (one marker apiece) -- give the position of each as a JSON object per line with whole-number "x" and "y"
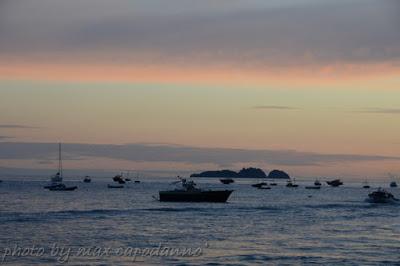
{"x": 310, "y": 87}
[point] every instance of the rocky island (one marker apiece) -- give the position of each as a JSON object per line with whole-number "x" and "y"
{"x": 278, "y": 174}
{"x": 250, "y": 172}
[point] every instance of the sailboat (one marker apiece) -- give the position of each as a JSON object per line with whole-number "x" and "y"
{"x": 56, "y": 180}
{"x": 291, "y": 183}
{"x": 366, "y": 185}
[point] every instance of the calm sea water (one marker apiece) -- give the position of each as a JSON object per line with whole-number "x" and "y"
{"x": 281, "y": 226}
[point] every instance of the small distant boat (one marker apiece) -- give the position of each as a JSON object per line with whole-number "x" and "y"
{"x": 313, "y": 187}
{"x": 259, "y": 185}
{"x": 366, "y": 185}
{"x": 137, "y": 181}
{"x": 190, "y": 193}
{"x": 264, "y": 187}
{"x": 56, "y": 180}
{"x": 227, "y": 181}
{"x": 393, "y": 184}
{"x": 119, "y": 179}
{"x": 381, "y": 196}
{"x": 128, "y": 179}
{"x": 87, "y": 179}
{"x": 115, "y": 186}
{"x": 335, "y": 183}
{"x": 317, "y": 183}
{"x": 273, "y": 184}
{"x": 291, "y": 183}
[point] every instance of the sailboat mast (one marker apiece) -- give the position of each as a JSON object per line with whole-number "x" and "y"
{"x": 59, "y": 160}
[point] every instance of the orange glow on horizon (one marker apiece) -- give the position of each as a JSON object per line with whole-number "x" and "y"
{"x": 328, "y": 76}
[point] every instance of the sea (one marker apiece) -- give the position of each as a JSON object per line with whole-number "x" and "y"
{"x": 95, "y": 225}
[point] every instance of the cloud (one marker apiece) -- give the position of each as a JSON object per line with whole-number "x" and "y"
{"x": 10, "y": 126}
{"x": 274, "y": 107}
{"x": 380, "y": 110}
{"x": 242, "y": 33}
{"x": 184, "y": 154}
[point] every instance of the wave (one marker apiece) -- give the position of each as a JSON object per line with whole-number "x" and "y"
{"x": 169, "y": 209}
{"x": 72, "y": 214}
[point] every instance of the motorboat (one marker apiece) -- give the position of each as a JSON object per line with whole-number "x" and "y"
{"x": 291, "y": 183}
{"x": 259, "y": 185}
{"x": 366, "y": 185}
{"x": 393, "y": 184}
{"x": 381, "y": 196}
{"x": 87, "y": 179}
{"x": 119, "y": 179}
{"x": 188, "y": 192}
{"x": 227, "y": 181}
{"x": 61, "y": 187}
{"x": 317, "y": 183}
{"x": 115, "y": 186}
{"x": 335, "y": 183}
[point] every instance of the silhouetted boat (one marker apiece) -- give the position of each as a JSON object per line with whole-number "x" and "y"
{"x": 119, "y": 179}
{"x": 335, "y": 183}
{"x": 56, "y": 180}
{"x": 273, "y": 184}
{"x": 291, "y": 183}
{"x": 259, "y": 185}
{"x": 393, "y": 184}
{"x": 189, "y": 193}
{"x": 317, "y": 183}
{"x": 115, "y": 186}
{"x": 366, "y": 185}
{"x": 137, "y": 181}
{"x": 87, "y": 179}
{"x": 381, "y": 196}
{"x": 61, "y": 187}
{"x": 227, "y": 181}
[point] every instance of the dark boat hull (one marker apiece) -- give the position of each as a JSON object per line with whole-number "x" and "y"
{"x": 335, "y": 183}
{"x": 313, "y": 187}
{"x": 115, "y": 186}
{"x": 226, "y": 181}
{"x": 63, "y": 189}
{"x": 195, "y": 196}
{"x": 259, "y": 185}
